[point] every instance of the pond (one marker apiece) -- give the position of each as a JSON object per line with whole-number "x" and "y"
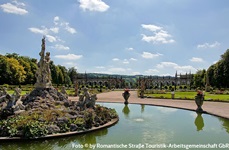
{"x": 144, "y": 127}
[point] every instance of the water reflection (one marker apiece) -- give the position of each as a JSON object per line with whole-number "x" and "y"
{"x": 199, "y": 122}
{"x": 126, "y": 111}
{"x": 57, "y": 143}
{"x": 225, "y": 124}
{"x": 142, "y": 108}
{"x": 141, "y": 124}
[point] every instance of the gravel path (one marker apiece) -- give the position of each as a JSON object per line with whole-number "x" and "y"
{"x": 220, "y": 109}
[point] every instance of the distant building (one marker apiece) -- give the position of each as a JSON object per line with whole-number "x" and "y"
{"x": 96, "y": 81}
{"x": 159, "y": 81}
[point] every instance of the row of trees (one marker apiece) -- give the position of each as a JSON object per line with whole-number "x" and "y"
{"x": 217, "y": 75}
{"x": 16, "y": 70}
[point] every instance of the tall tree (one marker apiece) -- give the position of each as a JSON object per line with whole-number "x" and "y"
{"x": 66, "y": 78}
{"x": 225, "y": 64}
{"x": 72, "y": 74}
{"x": 17, "y": 74}
{"x": 4, "y": 70}
{"x": 199, "y": 78}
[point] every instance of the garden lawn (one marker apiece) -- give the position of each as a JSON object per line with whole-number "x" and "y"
{"x": 191, "y": 95}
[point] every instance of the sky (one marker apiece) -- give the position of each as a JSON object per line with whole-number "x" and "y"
{"x": 127, "y": 37}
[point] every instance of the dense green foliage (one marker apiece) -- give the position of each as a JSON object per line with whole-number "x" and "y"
{"x": 218, "y": 74}
{"x": 21, "y": 70}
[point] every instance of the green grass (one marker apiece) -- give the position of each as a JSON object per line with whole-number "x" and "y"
{"x": 191, "y": 95}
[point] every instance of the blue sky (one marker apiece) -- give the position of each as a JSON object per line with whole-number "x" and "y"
{"x": 149, "y": 37}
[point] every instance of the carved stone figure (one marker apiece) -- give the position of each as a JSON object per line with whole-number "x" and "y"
{"x": 63, "y": 91}
{"x": 81, "y": 102}
{"x": 11, "y": 104}
{"x": 43, "y": 74}
{"x": 90, "y": 103}
{"x": 86, "y": 100}
{"x": 18, "y": 104}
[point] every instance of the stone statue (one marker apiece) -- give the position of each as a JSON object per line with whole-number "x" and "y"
{"x": 86, "y": 100}
{"x": 63, "y": 91}
{"x": 81, "y": 102}
{"x": 11, "y": 104}
{"x": 43, "y": 73}
{"x": 90, "y": 103}
{"x": 18, "y": 104}
{"x": 142, "y": 88}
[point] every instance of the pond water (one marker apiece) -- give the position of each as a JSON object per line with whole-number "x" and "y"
{"x": 143, "y": 127}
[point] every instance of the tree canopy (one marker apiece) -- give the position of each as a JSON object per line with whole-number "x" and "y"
{"x": 15, "y": 70}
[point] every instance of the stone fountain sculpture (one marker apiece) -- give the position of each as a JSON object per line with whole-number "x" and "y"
{"x": 50, "y": 110}
{"x": 86, "y": 100}
{"x": 43, "y": 74}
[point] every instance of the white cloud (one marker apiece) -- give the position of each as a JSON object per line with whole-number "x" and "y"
{"x": 69, "y": 63}
{"x": 125, "y": 61}
{"x": 18, "y": 3}
{"x": 99, "y": 67}
{"x": 116, "y": 70}
{"x": 135, "y": 73}
{"x": 149, "y": 55}
{"x": 207, "y": 45}
{"x": 69, "y": 29}
{"x": 39, "y": 31}
{"x": 171, "y": 65}
{"x": 51, "y": 38}
{"x": 60, "y": 47}
{"x": 133, "y": 59}
{"x": 166, "y": 64}
{"x": 54, "y": 29}
{"x": 15, "y": 8}
{"x": 185, "y": 68}
{"x": 69, "y": 56}
{"x": 196, "y": 59}
{"x": 130, "y": 49}
{"x": 115, "y": 59}
{"x": 48, "y": 32}
{"x": 151, "y": 71}
{"x": 93, "y": 5}
{"x": 56, "y": 19}
{"x": 160, "y": 36}
{"x": 151, "y": 27}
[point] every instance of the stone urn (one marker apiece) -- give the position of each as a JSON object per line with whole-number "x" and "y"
{"x": 142, "y": 93}
{"x": 126, "y": 96}
{"x": 199, "y": 99}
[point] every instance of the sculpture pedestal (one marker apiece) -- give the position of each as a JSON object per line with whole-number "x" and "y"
{"x": 199, "y": 99}
{"x": 43, "y": 85}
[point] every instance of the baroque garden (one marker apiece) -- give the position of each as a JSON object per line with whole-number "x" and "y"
{"x": 51, "y": 101}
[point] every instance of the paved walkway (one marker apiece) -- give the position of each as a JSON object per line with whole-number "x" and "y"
{"x": 215, "y": 108}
